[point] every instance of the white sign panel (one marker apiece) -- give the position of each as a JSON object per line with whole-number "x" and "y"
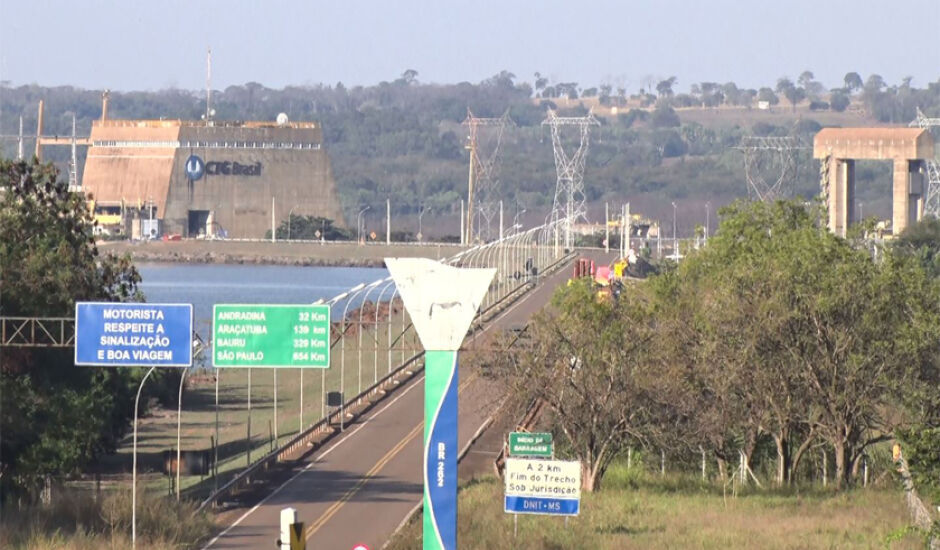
{"x": 543, "y": 486}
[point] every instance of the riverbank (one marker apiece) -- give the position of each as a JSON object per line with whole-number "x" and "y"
{"x": 278, "y": 253}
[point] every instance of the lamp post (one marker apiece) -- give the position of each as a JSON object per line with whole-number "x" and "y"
{"x": 289, "y": 215}
{"x": 675, "y": 239}
{"x": 515, "y": 219}
{"x": 359, "y": 224}
{"x": 420, "y": 214}
{"x": 708, "y": 208}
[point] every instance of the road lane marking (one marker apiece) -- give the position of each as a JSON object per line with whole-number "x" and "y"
{"x": 311, "y": 463}
{"x": 334, "y": 508}
{"x": 344, "y": 439}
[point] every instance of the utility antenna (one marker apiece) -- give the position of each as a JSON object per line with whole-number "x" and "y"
{"x": 932, "y": 201}
{"x": 569, "y": 190}
{"x": 770, "y": 166}
{"x": 208, "y": 85}
{"x": 483, "y": 187}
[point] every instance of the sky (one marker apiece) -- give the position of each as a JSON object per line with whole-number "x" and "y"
{"x": 159, "y": 44}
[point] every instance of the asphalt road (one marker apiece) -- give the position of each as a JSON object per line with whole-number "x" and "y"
{"x": 359, "y": 488}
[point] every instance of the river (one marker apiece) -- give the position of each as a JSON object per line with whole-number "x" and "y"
{"x": 204, "y": 285}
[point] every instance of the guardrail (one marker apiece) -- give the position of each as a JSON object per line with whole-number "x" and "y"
{"x": 323, "y": 425}
{"x": 394, "y": 377}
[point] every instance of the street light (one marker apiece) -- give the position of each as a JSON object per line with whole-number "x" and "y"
{"x": 708, "y": 208}
{"x": 359, "y": 224}
{"x": 515, "y": 219}
{"x": 675, "y": 238}
{"x": 421, "y": 213}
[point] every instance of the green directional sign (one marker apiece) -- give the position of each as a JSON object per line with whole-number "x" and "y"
{"x": 530, "y": 444}
{"x": 256, "y": 335}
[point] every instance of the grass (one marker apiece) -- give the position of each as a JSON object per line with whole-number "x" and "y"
{"x": 157, "y": 432}
{"x": 639, "y": 511}
{"x": 77, "y": 521}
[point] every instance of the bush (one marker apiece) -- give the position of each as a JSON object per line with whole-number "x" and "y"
{"x": 817, "y": 105}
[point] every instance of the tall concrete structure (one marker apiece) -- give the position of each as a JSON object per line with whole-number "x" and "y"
{"x": 839, "y": 148}
{"x": 231, "y": 178}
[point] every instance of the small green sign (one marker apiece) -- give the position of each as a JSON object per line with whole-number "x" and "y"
{"x": 530, "y": 444}
{"x": 256, "y": 335}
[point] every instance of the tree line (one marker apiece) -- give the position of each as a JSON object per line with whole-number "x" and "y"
{"x": 775, "y": 341}
{"x": 404, "y": 139}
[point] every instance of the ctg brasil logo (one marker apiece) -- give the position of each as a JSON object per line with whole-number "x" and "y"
{"x": 195, "y": 167}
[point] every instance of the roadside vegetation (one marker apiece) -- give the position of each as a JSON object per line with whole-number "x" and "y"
{"x": 778, "y": 355}
{"x": 77, "y": 520}
{"x": 639, "y": 509}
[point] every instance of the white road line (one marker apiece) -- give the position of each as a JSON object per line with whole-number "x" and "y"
{"x": 310, "y": 464}
{"x": 352, "y": 433}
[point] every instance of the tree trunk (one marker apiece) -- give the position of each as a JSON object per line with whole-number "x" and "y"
{"x": 838, "y": 451}
{"x": 722, "y": 469}
{"x": 783, "y": 458}
{"x": 798, "y": 456}
{"x": 589, "y": 479}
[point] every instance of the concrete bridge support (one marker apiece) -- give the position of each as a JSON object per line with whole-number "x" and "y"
{"x": 905, "y": 147}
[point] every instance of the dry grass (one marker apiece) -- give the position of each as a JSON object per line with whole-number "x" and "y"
{"x": 76, "y": 521}
{"x": 679, "y": 513}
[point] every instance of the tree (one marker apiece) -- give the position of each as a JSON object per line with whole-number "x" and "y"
{"x": 839, "y": 101}
{"x": 664, "y": 88}
{"x": 805, "y": 78}
{"x": 540, "y": 82}
{"x": 852, "y": 81}
{"x": 768, "y": 95}
{"x": 55, "y": 417}
{"x": 591, "y": 363}
{"x": 307, "y": 228}
{"x": 665, "y": 117}
{"x": 840, "y": 341}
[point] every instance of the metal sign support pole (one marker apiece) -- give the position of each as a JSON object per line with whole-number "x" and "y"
{"x": 134, "y": 466}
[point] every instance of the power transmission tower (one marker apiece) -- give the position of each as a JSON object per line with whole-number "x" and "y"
{"x": 932, "y": 201}
{"x": 569, "y": 190}
{"x": 770, "y": 166}
{"x": 483, "y": 187}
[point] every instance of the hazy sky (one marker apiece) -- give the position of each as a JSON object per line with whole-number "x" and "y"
{"x": 155, "y": 44}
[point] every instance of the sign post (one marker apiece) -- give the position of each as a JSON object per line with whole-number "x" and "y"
{"x": 442, "y": 301}
{"x": 114, "y": 334}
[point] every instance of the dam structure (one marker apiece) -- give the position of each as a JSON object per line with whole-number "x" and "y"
{"x": 211, "y": 179}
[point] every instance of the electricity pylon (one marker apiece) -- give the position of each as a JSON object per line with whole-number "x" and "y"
{"x": 932, "y": 197}
{"x": 569, "y": 204}
{"x": 483, "y": 186}
{"x": 770, "y": 166}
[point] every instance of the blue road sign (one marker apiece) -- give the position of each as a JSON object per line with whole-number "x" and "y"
{"x": 110, "y": 334}
{"x": 536, "y": 505}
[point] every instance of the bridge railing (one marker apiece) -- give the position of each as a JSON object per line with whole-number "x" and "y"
{"x": 370, "y": 319}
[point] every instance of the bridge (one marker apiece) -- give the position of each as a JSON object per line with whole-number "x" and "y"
{"x": 363, "y": 483}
